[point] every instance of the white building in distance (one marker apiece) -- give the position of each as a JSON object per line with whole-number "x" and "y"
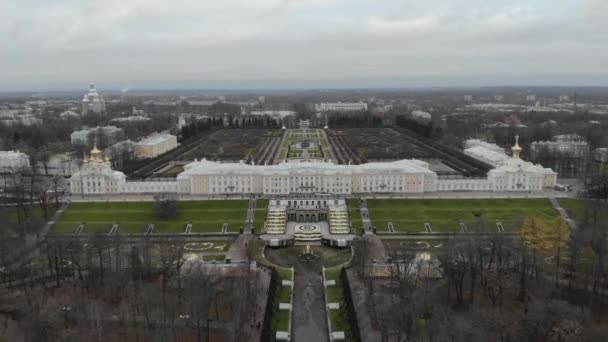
{"x": 487, "y": 156}
{"x": 340, "y": 106}
{"x": 82, "y": 137}
{"x": 486, "y": 145}
{"x": 69, "y": 115}
{"x": 92, "y": 102}
{"x": 206, "y": 177}
{"x": 108, "y": 135}
{"x": 11, "y": 161}
{"x": 420, "y": 115}
{"x": 488, "y": 153}
{"x": 154, "y": 145}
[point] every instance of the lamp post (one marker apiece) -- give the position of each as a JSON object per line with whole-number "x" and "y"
{"x": 66, "y": 309}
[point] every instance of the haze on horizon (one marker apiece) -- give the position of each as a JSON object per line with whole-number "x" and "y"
{"x": 66, "y": 44}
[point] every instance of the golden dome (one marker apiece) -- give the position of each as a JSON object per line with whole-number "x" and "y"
{"x": 516, "y": 149}
{"x": 96, "y": 154}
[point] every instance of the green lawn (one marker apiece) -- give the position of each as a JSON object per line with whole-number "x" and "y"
{"x": 134, "y": 217}
{"x": 338, "y": 318}
{"x": 280, "y": 318}
{"x": 445, "y": 214}
{"x": 261, "y": 206}
{"x": 355, "y": 214}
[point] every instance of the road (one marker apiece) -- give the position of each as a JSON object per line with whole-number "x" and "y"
{"x": 309, "y": 318}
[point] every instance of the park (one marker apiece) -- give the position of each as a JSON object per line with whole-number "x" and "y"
{"x": 396, "y": 247}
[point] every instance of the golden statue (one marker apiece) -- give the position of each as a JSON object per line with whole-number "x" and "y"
{"x": 308, "y": 251}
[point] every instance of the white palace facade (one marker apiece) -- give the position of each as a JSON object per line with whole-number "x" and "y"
{"x": 206, "y": 177}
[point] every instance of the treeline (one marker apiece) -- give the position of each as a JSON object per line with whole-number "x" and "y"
{"x": 195, "y": 127}
{"x": 426, "y": 130}
{"x": 357, "y": 119}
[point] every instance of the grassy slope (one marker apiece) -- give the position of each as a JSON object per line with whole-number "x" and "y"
{"x": 338, "y": 318}
{"x": 355, "y": 214}
{"x": 133, "y": 217}
{"x": 444, "y": 215}
{"x": 280, "y": 318}
{"x": 260, "y": 214}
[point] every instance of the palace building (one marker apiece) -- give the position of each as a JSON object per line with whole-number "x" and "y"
{"x": 204, "y": 177}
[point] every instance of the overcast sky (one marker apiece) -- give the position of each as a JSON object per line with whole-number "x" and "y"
{"x": 61, "y": 44}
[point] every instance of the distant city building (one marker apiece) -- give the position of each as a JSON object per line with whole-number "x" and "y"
{"x": 136, "y": 111}
{"x": 201, "y": 102}
{"x": 106, "y": 135}
{"x": 499, "y": 97}
{"x": 564, "y": 98}
{"x": 486, "y": 145}
{"x": 161, "y": 103}
{"x": 489, "y": 157}
{"x": 36, "y": 103}
{"x": 488, "y": 153}
{"x": 420, "y": 115}
{"x": 23, "y": 116}
{"x": 340, "y": 106}
{"x": 13, "y": 161}
{"x": 468, "y": 98}
{"x": 92, "y": 102}
{"x": 131, "y": 119}
{"x": 530, "y": 97}
{"x": 304, "y": 123}
{"x": 69, "y": 115}
{"x": 82, "y": 137}
{"x": 154, "y": 145}
{"x": 568, "y": 154}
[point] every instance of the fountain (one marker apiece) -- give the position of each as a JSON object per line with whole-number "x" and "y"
{"x": 308, "y": 255}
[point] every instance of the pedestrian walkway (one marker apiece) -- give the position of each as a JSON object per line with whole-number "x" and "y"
{"x": 365, "y": 220}
{"x": 250, "y": 216}
{"x": 563, "y": 213}
{"x": 310, "y": 323}
{"x": 239, "y": 249}
{"x": 51, "y": 222}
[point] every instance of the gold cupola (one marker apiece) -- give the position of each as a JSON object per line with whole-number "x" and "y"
{"x": 516, "y": 149}
{"x": 96, "y": 154}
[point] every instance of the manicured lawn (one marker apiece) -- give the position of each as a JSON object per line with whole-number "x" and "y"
{"x": 261, "y": 206}
{"x": 280, "y": 318}
{"x": 216, "y": 258}
{"x": 445, "y": 215}
{"x": 338, "y": 318}
{"x": 134, "y": 217}
{"x": 355, "y": 214}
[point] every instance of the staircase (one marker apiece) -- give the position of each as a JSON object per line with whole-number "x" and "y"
{"x": 275, "y": 221}
{"x": 338, "y": 220}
